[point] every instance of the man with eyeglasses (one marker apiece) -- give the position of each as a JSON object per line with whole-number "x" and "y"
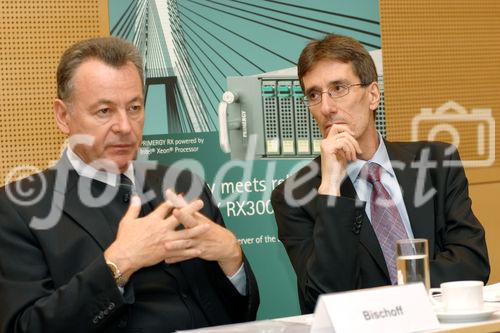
{"x": 340, "y": 216}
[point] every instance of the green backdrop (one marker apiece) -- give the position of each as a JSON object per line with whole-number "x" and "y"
{"x": 218, "y": 39}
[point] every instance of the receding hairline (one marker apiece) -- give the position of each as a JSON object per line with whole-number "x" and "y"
{"x": 86, "y": 61}
{"x": 111, "y": 51}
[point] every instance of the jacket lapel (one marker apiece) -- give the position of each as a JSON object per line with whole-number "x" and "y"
{"x": 148, "y": 184}
{"x": 90, "y": 219}
{"x": 367, "y": 236}
{"x": 421, "y": 216}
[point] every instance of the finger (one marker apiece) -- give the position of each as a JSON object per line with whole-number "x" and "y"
{"x": 341, "y": 155}
{"x": 329, "y": 149}
{"x": 355, "y": 143}
{"x": 134, "y": 209}
{"x": 187, "y": 220}
{"x": 201, "y": 219}
{"x": 182, "y": 256}
{"x": 163, "y": 210}
{"x": 348, "y": 152}
{"x": 176, "y": 199}
{"x": 187, "y": 216}
{"x": 344, "y": 139}
{"x": 339, "y": 128}
{"x": 334, "y": 130}
{"x": 348, "y": 147}
{"x": 341, "y": 136}
{"x": 341, "y": 144}
{"x": 181, "y": 244}
{"x": 190, "y": 233}
{"x": 183, "y": 201}
{"x": 171, "y": 222}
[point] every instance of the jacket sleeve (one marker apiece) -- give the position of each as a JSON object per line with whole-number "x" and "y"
{"x": 239, "y": 308}
{"x": 321, "y": 239}
{"x": 31, "y": 302}
{"x": 461, "y": 252}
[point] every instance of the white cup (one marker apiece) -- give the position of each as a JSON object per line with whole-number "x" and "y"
{"x": 460, "y": 296}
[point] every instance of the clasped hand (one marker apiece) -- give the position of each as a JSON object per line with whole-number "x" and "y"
{"x": 175, "y": 231}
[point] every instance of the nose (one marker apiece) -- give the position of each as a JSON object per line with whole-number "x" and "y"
{"x": 121, "y": 122}
{"x": 327, "y": 105}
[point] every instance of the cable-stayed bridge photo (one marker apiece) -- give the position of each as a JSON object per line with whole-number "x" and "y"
{"x": 190, "y": 47}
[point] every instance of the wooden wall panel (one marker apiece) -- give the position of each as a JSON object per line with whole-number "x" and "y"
{"x": 33, "y": 34}
{"x": 484, "y": 203}
{"x": 440, "y": 51}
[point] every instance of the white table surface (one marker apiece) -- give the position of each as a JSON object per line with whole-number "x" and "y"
{"x": 302, "y": 324}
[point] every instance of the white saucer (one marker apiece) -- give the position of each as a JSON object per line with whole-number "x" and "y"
{"x": 465, "y": 316}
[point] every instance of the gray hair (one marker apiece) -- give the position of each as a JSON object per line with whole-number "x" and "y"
{"x": 113, "y": 51}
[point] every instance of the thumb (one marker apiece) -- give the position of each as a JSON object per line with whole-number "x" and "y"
{"x": 134, "y": 209}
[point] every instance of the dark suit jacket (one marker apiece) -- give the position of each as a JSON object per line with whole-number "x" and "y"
{"x": 56, "y": 280}
{"x": 333, "y": 247}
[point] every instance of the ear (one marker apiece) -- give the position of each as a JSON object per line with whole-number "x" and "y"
{"x": 61, "y": 113}
{"x": 374, "y": 95}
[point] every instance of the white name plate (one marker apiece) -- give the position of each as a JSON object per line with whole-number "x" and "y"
{"x": 392, "y": 309}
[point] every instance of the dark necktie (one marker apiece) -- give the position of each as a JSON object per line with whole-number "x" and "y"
{"x": 385, "y": 217}
{"x": 126, "y": 188}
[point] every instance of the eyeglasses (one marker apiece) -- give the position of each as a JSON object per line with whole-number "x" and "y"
{"x": 335, "y": 91}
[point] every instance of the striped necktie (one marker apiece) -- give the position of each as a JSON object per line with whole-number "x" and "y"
{"x": 385, "y": 217}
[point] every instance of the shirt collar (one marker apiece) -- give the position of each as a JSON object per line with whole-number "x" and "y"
{"x": 381, "y": 157}
{"x": 85, "y": 170}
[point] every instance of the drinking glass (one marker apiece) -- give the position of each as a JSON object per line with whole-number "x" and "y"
{"x": 413, "y": 261}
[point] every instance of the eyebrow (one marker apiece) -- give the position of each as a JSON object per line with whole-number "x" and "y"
{"x": 137, "y": 99}
{"x": 331, "y": 83}
{"x": 108, "y": 102}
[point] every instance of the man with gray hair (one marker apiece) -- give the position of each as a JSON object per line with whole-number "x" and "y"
{"x": 91, "y": 245}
